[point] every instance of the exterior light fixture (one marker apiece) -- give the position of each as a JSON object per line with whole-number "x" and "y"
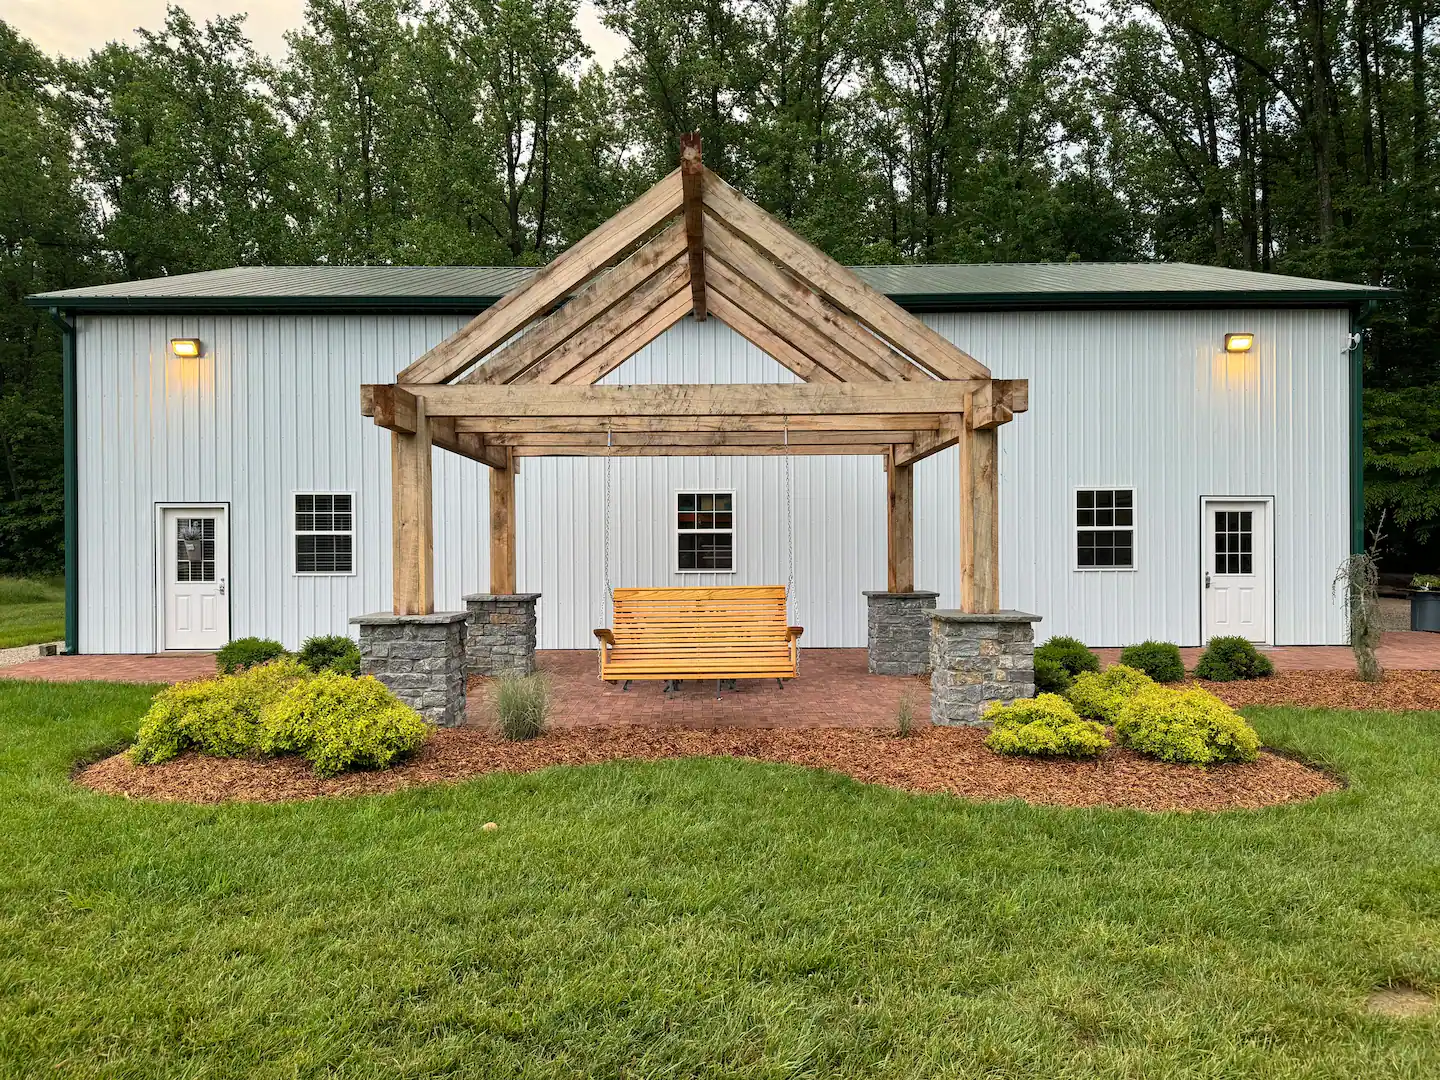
{"x": 189, "y": 347}
{"x": 1239, "y": 342}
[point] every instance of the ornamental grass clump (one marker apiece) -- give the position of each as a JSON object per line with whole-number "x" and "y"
{"x": 338, "y": 722}
{"x": 1100, "y": 695}
{"x": 522, "y": 704}
{"x": 1228, "y": 659}
{"x": 1158, "y": 659}
{"x": 219, "y": 716}
{"x": 1191, "y": 727}
{"x": 1044, "y": 726}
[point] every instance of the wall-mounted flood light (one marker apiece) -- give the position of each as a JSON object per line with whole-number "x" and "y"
{"x": 1239, "y": 342}
{"x": 189, "y": 347}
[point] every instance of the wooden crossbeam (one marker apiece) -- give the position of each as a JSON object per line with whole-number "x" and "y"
{"x": 880, "y": 362}
{"x": 850, "y": 422}
{"x": 689, "y": 399}
{"x": 702, "y": 438}
{"x": 929, "y": 443}
{"x": 692, "y": 179}
{"x": 849, "y": 449}
{"x": 593, "y": 301}
{"x": 839, "y": 285}
{"x": 569, "y": 271}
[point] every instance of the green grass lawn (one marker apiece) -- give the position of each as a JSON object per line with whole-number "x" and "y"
{"x": 32, "y": 611}
{"x": 710, "y": 918}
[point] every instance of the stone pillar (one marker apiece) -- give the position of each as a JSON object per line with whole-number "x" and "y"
{"x": 899, "y": 637}
{"x": 421, "y": 658}
{"x": 978, "y": 659}
{"x": 502, "y": 633}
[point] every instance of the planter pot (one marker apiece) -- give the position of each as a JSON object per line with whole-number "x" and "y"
{"x": 1425, "y": 611}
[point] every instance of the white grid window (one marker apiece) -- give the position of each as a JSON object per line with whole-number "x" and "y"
{"x": 705, "y": 532}
{"x": 1105, "y": 529}
{"x": 324, "y": 533}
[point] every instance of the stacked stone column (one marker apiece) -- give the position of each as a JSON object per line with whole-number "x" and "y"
{"x": 421, "y": 658}
{"x": 501, "y": 640}
{"x": 899, "y": 632}
{"x": 976, "y": 660}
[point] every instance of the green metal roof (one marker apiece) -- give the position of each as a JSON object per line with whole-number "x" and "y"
{"x": 932, "y": 287}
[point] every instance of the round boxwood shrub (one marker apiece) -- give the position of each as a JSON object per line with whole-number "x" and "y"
{"x": 1099, "y": 695}
{"x": 330, "y": 652}
{"x": 1191, "y": 727}
{"x": 1070, "y": 654}
{"x": 337, "y": 722}
{"x": 1043, "y": 726}
{"x": 247, "y": 652}
{"x": 1050, "y": 676}
{"x": 1158, "y": 659}
{"x": 1227, "y": 659}
{"x": 215, "y": 716}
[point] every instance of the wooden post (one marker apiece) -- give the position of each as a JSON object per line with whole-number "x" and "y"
{"x": 900, "y": 519}
{"x": 502, "y": 526}
{"x": 412, "y": 518}
{"x": 692, "y": 179}
{"x": 979, "y": 519}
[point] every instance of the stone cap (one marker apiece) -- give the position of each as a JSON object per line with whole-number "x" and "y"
{"x": 387, "y": 618}
{"x": 918, "y": 595}
{"x": 484, "y": 596}
{"x": 956, "y": 616}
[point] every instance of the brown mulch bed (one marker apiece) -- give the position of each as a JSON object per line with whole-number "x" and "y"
{"x": 952, "y": 760}
{"x": 1397, "y": 691}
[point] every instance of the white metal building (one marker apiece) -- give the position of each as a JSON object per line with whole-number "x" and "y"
{"x": 1160, "y": 486}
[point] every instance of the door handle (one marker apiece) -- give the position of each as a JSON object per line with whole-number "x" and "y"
{"x": 1207, "y": 580}
{"x": 222, "y": 586}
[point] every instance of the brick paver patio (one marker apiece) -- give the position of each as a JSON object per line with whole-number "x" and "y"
{"x": 115, "y": 667}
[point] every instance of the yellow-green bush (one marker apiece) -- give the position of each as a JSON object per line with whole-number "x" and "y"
{"x": 337, "y": 722}
{"x": 1188, "y": 726}
{"x": 219, "y": 716}
{"x": 1044, "y": 726}
{"x": 1099, "y": 696}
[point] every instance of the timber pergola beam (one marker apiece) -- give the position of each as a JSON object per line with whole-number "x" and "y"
{"x": 692, "y": 179}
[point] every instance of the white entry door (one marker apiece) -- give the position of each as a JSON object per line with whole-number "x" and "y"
{"x": 194, "y": 559}
{"x": 1238, "y": 569}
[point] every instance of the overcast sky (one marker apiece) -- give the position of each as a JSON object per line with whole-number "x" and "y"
{"x": 75, "y": 27}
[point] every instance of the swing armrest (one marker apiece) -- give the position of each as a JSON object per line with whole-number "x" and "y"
{"x": 793, "y": 632}
{"x": 605, "y": 636}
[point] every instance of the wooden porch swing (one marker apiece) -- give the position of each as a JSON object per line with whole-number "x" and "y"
{"x": 876, "y": 380}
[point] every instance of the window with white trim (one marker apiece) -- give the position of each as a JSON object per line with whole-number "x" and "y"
{"x": 705, "y": 532}
{"x": 324, "y": 532}
{"x": 1105, "y": 529}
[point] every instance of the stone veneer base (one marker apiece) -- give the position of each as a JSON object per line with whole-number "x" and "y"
{"x": 976, "y": 660}
{"x": 501, "y": 639}
{"x": 421, "y": 658}
{"x": 898, "y": 639}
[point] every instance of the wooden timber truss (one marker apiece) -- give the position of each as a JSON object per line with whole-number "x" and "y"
{"x": 876, "y": 379}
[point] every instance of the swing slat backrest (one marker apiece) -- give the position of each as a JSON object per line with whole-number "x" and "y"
{"x": 700, "y": 633}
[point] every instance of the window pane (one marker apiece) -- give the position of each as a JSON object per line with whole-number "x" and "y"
{"x": 722, "y": 502}
{"x": 1105, "y": 518}
{"x": 722, "y": 521}
{"x": 1085, "y": 500}
{"x": 706, "y": 502}
{"x": 686, "y": 502}
{"x": 1105, "y": 548}
{"x": 1124, "y": 498}
{"x": 1105, "y": 499}
{"x": 1086, "y": 517}
{"x": 1125, "y": 517}
{"x": 304, "y": 503}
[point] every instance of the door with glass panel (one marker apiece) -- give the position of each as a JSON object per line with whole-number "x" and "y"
{"x": 1238, "y": 570}
{"x": 194, "y": 557}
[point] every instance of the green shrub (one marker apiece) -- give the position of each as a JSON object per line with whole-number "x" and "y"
{"x": 247, "y": 652}
{"x": 1050, "y": 676}
{"x": 337, "y": 722}
{"x": 1227, "y": 659}
{"x": 215, "y": 716}
{"x": 1070, "y": 654}
{"x": 1425, "y": 582}
{"x": 330, "y": 652}
{"x": 1158, "y": 659}
{"x": 521, "y": 705}
{"x": 1188, "y": 726}
{"x": 1044, "y": 726}
{"x": 1099, "y": 695}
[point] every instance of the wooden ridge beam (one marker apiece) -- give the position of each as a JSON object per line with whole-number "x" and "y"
{"x": 691, "y": 399}
{"x": 881, "y": 361}
{"x": 593, "y": 301}
{"x": 692, "y": 180}
{"x": 569, "y": 271}
{"x": 839, "y": 285}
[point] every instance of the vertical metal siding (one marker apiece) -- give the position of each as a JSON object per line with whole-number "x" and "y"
{"x": 1143, "y": 399}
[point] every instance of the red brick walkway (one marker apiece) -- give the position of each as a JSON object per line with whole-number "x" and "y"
{"x": 114, "y": 667}
{"x": 1402, "y": 650}
{"x": 832, "y": 690}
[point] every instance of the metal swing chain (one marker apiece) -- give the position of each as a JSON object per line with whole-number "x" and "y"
{"x": 609, "y": 601}
{"x": 789, "y": 529}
